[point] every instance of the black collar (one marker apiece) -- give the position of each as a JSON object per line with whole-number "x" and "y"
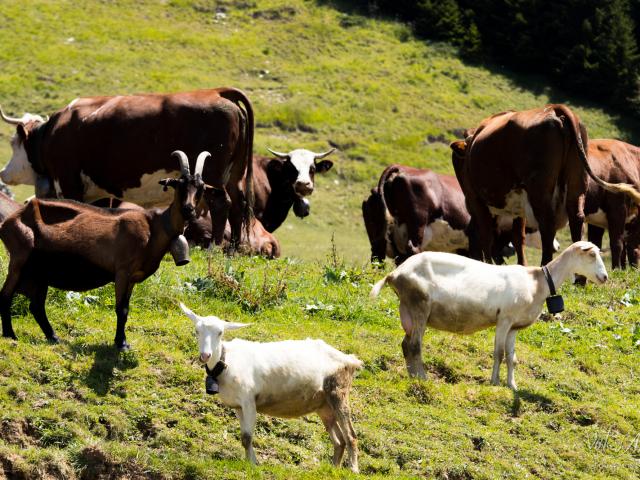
{"x": 218, "y": 368}
{"x": 547, "y": 276}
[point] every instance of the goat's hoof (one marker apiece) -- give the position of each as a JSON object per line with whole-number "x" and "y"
{"x": 123, "y": 347}
{"x": 53, "y": 339}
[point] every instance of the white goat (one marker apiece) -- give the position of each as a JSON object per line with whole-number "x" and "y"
{"x": 456, "y": 294}
{"x": 284, "y": 379}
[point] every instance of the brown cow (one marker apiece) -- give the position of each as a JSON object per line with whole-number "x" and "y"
{"x": 616, "y": 162}
{"x": 530, "y": 165}
{"x": 120, "y": 146}
{"x": 413, "y": 210}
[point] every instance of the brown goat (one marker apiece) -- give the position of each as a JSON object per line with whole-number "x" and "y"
{"x": 74, "y": 246}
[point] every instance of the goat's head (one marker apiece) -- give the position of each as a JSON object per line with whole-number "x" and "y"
{"x": 209, "y": 330}
{"x": 588, "y": 262}
{"x": 188, "y": 187}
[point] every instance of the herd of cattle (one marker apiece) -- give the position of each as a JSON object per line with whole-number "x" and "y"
{"x": 99, "y": 216}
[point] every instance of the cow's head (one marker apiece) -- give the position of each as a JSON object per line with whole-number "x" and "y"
{"x": 188, "y": 187}
{"x": 19, "y": 170}
{"x": 300, "y": 167}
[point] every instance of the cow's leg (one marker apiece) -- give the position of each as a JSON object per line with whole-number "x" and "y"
{"x": 543, "y": 212}
{"x": 414, "y": 320}
{"x": 219, "y": 204}
{"x": 415, "y": 235}
{"x": 518, "y": 231}
{"x": 124, "y": 288}
{"x": 615, "y": 220}
{"x": 37, "y": 309}
{"x": 485, "y": 224}
{"x": 575, "y": 212}
{"x": 247, "y": 416}
{"x": 510, "y": 355}
{"x": 237, "y": 215}
{"x": 502, "y": 329}
{"x": 595, "y": 234}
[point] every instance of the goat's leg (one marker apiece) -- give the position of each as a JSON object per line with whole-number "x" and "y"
{"x": 6, "y": 296}
{"x": 247, "y": 416}
{"x": 123, "y": 295}
{"x": 36, "y": 307}
{"x": 337, "y": 438}
{"x": 338, "y": 398}
{"x": 510, "y": 353}
{"x": 413, "y": 321}
{"x": 502, "y": 329}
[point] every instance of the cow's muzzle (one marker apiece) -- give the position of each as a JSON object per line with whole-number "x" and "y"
{"x": 303, "y": 188}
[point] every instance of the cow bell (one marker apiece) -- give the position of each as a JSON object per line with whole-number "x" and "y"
{"x": 180, "y": 250}
{"x": 301, "y": 207}
{"x": 211, "y": 385}
{"x": 555, "y": 304}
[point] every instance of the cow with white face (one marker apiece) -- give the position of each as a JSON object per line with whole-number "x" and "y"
{"x": 19, "y": 170}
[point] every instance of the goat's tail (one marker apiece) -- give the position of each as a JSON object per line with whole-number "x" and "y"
{"x": 375, "y": 291}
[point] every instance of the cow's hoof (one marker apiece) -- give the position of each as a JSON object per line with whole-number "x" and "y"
{"x": 53, "y": 339}
{"x": 124, "y": 347}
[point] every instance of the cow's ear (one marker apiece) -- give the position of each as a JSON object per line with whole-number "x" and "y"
{"x": 22, "y": 132}
{"x": 459, "y": 147}
{"x": 324, "y": 166}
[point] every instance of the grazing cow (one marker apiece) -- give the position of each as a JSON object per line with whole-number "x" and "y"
{"x": 413, "y": 210}
{"x": 530, "y": 165}
{"x": 284, "y": 182}
{"x": 120, "y": 146}
{"x": 616, "y": 162}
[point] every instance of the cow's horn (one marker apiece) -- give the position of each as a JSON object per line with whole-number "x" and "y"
{"x": 200, "y": 162}
{"x": 184, "y": 161}
{"x": 11, "y": 120}
{"x": 319, "y": 156}
{"x": 281, "y": 155}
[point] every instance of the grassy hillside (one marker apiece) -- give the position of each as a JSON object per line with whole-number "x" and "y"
{"x": 317, "y": 77}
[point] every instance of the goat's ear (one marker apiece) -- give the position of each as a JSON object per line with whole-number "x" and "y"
{"x": 324, "y": 166}
{"x": 234, "y": 325}
{"x": 587, "y": 247}
{"x": 194, "y": 318}
{"x": 459, "y": 147}
{"x": 168, "y": 182}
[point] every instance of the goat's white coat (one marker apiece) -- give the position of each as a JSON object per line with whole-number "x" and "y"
{"x": 283, "y": 379}
{"x": 456, "y": 294}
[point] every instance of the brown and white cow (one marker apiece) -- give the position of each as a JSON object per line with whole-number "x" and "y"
{"x": 530, "y": 165}
{"x": 617, "y": 162}
{"x": 120, "y": 146}
{"x": 412, "y": 210}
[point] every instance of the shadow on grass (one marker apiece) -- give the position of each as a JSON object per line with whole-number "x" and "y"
{"x": 106, "y": 360}
{"x": 543, "y": 403}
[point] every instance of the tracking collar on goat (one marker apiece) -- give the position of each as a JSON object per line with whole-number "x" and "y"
{"x": 211, "y": 382}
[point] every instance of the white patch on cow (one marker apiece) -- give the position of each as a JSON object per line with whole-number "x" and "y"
{"x": 19, "y": 170}
{"x": 439, "y": 236}
{"x": 599, "y": 219}
{"x": 516, "y": 205}
{"x": 303, "y": 159}
{"x": 148, "y": 194}
{"x": 57, "y": 188}
{"x": 72, "y": 103}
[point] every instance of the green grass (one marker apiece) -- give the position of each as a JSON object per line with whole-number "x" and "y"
{"x": 317, "y": 77}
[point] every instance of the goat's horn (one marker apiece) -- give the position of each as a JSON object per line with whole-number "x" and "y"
{"x": 281, "y": 155}
{"x": 200, "y": 162}
{"x": 184, "y": 161}
{"x": 11, "y": 120}
{"x": 318, "y": 156}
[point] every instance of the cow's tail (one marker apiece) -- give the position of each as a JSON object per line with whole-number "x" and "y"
{"x": 375, "y": 291}
{"x": 581, "y": 144}
{"x": 239, "y": 97}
